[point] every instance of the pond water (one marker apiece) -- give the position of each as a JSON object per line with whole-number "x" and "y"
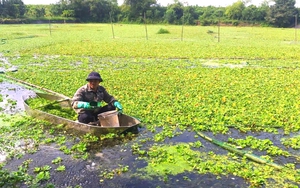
{"x": 12, "y": 97}
{"x": 212, "y": 64}
{"x": 5, "y": 66}
{"x": 86, "y": 173}
{"x": 109, "y": 156}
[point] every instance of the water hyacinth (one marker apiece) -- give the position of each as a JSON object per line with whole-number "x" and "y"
{"x": 237, "y": 91}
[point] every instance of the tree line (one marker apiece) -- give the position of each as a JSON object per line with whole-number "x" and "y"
{"x": 282, "y": 13}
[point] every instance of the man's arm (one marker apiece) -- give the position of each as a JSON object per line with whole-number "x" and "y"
{"x": 112, "y": 101}
{"x": 78, "y": 96}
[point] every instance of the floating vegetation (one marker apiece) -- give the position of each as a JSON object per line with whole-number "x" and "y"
{"x": 163, "y": 31}
{"x": 177, "y": 89}
{"x": 293, "y": 142}
{"x": 52, "y": 108}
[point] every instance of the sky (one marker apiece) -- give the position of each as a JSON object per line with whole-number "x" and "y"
{"x": 216, "y": 3}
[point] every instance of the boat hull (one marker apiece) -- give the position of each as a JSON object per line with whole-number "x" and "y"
{"x": 126, "y": 122}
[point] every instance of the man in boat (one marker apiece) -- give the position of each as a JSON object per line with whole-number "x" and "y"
{"x": 87, "y": 101}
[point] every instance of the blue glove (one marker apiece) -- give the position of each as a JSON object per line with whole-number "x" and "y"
{"x": 118, "y": 106}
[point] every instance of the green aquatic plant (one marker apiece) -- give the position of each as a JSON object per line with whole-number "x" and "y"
{"x": 108, "y": 136}
{"x": 262, "y": 145}
{"x": 80, "y": 150}
{"x": 164, "y": 161}
{"x": 293, "y": 142}
{"x": 88, "y": 138}
{"x": 110, "y": 174}
{"x": 14, "y": 178}
{"x": 80, "y": 147}
{"x": 169, "y": 159}
{"x": 55, "y": 109}
{"x": 176, "y": 88}
{"x": 12, "y": 102}
{"x": 57, "y": 160}
{"x": 43, "y": 173}
{"x": 60, "y": 168}
{"x": 162, "y": 31}
{"x": 65, "y": 149}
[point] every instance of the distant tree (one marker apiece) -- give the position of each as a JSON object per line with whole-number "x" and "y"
{"x": 59, "y": 8}
{"x": 99, "y": 10}
{"x": 157, "y": 13}
{"x": 87, "y": 10}
{"x": 282, "y": 13}
{"x": 189, "y": 15}
{"x": 137, "y": 8}
{"x": 124, "y": 15}
{"x": 195, "y": 11}
{"x": 262, "y": 11}
{"x": 35, "y": 11}
{"x": 235, "y": 10}
{"x": 80, "y": 8}
{"x": 1, "y": 9}
{"x": 210, "y": 14}
{"x": 68, "y": 13}
{"x": 154, "y": 14}
{"x": 12, "y": 8}
{"x": 251, "y": 13}
{"x": 170, "y": 16}
{"x": 174, "y": 13}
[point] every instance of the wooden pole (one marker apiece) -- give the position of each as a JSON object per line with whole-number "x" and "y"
{"x": 50, "y": 27}
{"x": 145, "y": 25}
{"x": 184, "y": 3}
{"x": 182, "y": 27}
{"x": 219, "y": 25}
{"x": 296, "y": 26}
{"x": 112, "y": 26}
{"x": 219, "y": 30}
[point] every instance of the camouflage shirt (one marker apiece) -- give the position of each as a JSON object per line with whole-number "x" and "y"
{"x": 86, "y": 94}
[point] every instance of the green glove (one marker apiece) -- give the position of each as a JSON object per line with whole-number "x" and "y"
{"x": 118, "y": 106}
{"x": 82, "y": 104}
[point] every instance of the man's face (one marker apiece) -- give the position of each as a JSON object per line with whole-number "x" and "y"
{"x": 93, "y": 84}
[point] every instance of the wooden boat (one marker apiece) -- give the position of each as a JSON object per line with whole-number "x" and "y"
{"x": 125, "y": 122}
